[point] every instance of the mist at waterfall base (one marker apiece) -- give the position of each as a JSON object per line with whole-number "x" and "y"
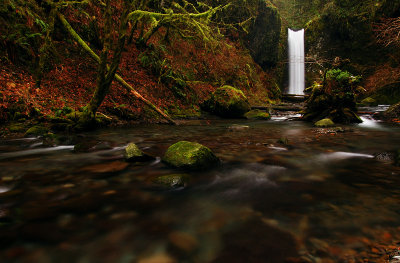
{"x": 296, "y": 62}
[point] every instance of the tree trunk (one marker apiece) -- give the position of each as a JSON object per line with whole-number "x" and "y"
{"x": 45, "y": 48}
{"x": 83, "y": 44}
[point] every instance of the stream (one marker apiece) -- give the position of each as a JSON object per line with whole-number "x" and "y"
{"x": 284, "y": 192}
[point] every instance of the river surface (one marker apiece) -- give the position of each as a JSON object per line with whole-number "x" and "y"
{"x": 284, "y": 192}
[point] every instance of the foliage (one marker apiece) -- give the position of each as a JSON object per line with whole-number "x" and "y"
{"x": 21, "y": 29}
{"x": 387, "y": 31}
{"x": 344, "y": 78}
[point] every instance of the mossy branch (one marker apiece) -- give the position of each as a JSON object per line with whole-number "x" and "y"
{"x": 83, "y": 44}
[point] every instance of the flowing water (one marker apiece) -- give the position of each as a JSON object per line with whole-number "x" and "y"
{"x": 296, "y": 62}
{"x": 284, "y": 192}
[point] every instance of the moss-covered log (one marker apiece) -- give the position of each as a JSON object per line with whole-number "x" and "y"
{"x": 83, "y": 44}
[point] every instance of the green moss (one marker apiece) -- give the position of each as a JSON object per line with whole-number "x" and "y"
{"x": 190, "y": 155}
{"x": 257, "y": 115}
{"x": 227, "y": 101}
{"x": 177, "y": 113}
{"x": 134, "y": 154}
{"x": 132, "y": 151}
{"x": 324, "y": 123}
{"x": 36, "y": 131}
{"x": 369, "y": 102}
{"x": 16, "y": 127}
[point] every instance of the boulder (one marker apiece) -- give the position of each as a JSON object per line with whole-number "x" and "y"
{"x": 134, "y": 154}
{"x": 228, "y": 102}
{"x": 257, "y": 115}
{"x": 264, "y": 35}
{"x": 335, "y": 99}
{"x": 190, "y": 155}
{"x": 324, "y": 123}
{"x": 36, "y": 131}
{"x": 393, "y": 112}
{"x": 369, "y": 102}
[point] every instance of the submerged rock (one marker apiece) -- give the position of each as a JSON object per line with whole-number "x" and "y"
{"x": 190, "y": 155}
{"x": 172, "y": 180}
{"x": 257, "y": 115}
{"x": 134, "y": 154}
{"x": 238, "y": 127}
{"x": 324, "y": 123}
{"x": 227, "y": 102}
{"x": 387, "y": 157}
{"x": 253, "y": 240}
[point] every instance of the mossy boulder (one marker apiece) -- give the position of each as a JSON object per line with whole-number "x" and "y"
{"x": 37, "y": 130}
{"x": 324, "y": 123}
{"x": 190, "y": 155}
{"x": 228, "y": 102}
{"x": 134, "y": 154}
{"x": 257, "y": 115}
{"x": 369, "y": 102}
{"x": 172, "y": 180}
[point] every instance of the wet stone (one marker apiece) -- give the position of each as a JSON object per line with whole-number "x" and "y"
{"x": 173, "y": 180}
{"x": 190, "y": 155}
{"x": 387, "y": 157}
{"x": 324, "y": 123}
{"x": 134, "y": 154}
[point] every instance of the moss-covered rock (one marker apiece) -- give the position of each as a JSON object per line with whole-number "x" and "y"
{"x": 16, "y": 127}
{"x": 172, "y": 180}
{"x": 257, "y": 115}
{"x": 324, "y": 123}
{"x": 228, "y": 102}
{"x": 335, "y": 99}
{"x": 190, "y": 155}
{"x": 369, "y": 102}
{"x": 37, "y": 130}
{"x": 134, "y": 154}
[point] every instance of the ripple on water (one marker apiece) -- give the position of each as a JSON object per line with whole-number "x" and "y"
{"x": 34, "y": 151}
{"x": 338, "y": 156}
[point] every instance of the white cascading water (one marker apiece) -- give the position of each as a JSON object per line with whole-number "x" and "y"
{"x": 296, "y": 62}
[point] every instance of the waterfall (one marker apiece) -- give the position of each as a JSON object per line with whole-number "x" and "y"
{"x": 296, "y": 62}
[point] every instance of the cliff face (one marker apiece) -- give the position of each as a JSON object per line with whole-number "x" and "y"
{"x": 264, "y": 35}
